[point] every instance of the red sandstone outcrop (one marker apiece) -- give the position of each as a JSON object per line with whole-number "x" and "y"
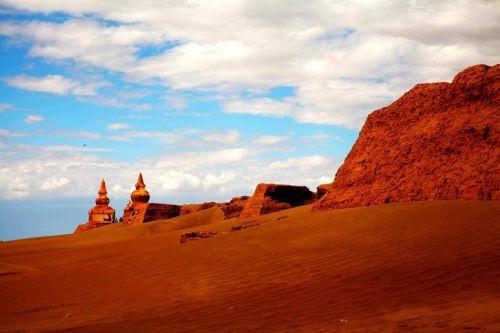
{"x": 439, "y": 141}
{"x": 233, "y": 208}
{"x": 191, "y": 208}
{"x": 269, "y": 198}
{"x": 102, "y": 214}
{"x": 322, "y": 189}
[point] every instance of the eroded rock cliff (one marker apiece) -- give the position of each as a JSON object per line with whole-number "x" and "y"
{"x": 439, "y": 141}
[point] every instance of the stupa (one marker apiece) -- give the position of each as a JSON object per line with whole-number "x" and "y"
{"x": 102, "y": 214}
{"x": 139, "y": 210}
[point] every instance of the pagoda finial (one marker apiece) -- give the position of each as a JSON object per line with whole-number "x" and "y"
{"x": 140, "y": 182}
{"x": 140, "y": 195}
{"x": 102, "y": 199}
{"x": 103, "y": 189}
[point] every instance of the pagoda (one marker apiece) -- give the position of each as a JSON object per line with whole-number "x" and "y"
{"x": 102, "y": 214}
{"x": 139, "y": 210}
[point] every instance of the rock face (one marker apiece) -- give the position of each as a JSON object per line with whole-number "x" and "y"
{"x": 233, "y": 208}
{"x": 439, "y": 141}
{"x": 322, "y": 189}
{"x": 101, "y": 214}
{"x": 269, "y": 198}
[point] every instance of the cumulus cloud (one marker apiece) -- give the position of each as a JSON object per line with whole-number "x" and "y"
{"x": 54, "y": 183}
{"x": 216, "y": 174}
{"x": 33, "y": 118}
{"x": 55, "y": 84}
{"x": 343, "y": 58}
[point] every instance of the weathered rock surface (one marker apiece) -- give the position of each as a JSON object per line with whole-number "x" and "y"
{"x": 322, "y": 189}
{"x": 233, "y": 208}
{"x": 137, "y": 213}
{"x": 269, "y": 198}
{"x": 439, "y": 141}
{"x": 191, "y": 208}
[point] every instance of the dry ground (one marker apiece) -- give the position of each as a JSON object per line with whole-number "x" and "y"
{"x": 408, "y": 267}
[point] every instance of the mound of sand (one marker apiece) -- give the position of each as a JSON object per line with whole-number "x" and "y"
{"x": 421, "y": 266}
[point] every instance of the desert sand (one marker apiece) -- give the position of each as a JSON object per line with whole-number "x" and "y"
{"x": 402, "y": 267}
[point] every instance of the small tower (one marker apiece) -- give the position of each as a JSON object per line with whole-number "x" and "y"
{"x": 101, "y": 214}
{"x": 139, "y": 210}
{"x": 140, "y": 195}
{"x": 136, "y": 209}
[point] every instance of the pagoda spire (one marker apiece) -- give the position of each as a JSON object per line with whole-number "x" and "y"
{"x": 140, "y": 183}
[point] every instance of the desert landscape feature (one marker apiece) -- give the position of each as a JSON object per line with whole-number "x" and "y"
{"x": 154, "y": 183}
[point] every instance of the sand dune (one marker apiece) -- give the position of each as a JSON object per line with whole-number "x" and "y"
{"x": 407, "y": 267}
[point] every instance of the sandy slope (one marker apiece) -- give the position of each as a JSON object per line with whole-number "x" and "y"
{"x": 423, "y": 267}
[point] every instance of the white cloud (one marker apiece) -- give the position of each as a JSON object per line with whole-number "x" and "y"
{"x": 260, "y": 106}
{"x": 79, "y": 134}
{"x": 176, "y": 101}
{"x": 17, "y": 187}
{"x": 269, "y": 140}
{"x": 216, "y": 174}
{"x": 7, "y": 107}
{"x": 221, "y": 137}
{"x": 68, "y": 148}
{"x": 55, "y": 84}
{"x": 118, "y": 126}
{"x": 33, "y": 118}
{"x": 10, "y": 134}
{"x": 116, "y": 103}
{"x": 54, "y": 183}
{"x": 343, "y": 58}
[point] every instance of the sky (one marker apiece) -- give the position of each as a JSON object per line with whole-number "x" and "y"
{"x": 205, "y": 98}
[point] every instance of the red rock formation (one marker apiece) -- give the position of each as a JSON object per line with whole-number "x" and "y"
{"x": 438, "y": 141}
{"x": 269, "y": 198}
{"x": 233, "y": 208}
{"x": 191, "y": 208}
{"x": 101, "y": 214}
{"x": 196, "y": 235}
{"x": 321, "y": 190}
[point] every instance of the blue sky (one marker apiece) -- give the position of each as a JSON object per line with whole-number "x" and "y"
{"x": 207, "y": 99}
